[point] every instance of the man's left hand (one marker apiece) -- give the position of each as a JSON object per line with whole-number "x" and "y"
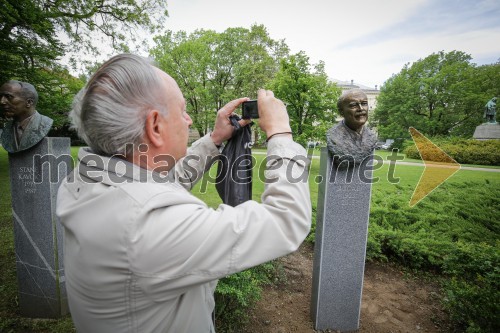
{"x": 223, "y": 129}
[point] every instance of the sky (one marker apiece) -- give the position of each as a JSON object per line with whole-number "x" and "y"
{"x": 362, "y": 40}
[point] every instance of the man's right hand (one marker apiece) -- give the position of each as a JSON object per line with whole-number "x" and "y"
{"x": 273, "y": 117}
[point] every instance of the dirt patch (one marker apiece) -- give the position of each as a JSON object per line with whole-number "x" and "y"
{"x": 393, "y": 302}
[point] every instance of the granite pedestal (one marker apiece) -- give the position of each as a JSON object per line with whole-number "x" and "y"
{"x": 340, "y": 248}
{"x": 35, "y": 175}
{"x": 487, "y": 131}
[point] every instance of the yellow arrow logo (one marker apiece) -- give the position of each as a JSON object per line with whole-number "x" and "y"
{"x": 439, "y": 166}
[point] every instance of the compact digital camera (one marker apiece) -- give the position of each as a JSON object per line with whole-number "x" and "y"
{"x": 250, "y": 110}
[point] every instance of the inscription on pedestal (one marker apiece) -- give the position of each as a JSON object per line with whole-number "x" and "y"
{"x": 25, "y": 178}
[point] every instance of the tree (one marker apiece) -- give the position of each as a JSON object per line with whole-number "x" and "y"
{"x": 32, "y": 31}
{"x": 482, "y": 85}
{"x": 213, "y": 68}
{"x": 35, "y": 34}
{"x": 57, "y": 87}
{"x": 443, "y": 94}
{"x": 310, "y": 97}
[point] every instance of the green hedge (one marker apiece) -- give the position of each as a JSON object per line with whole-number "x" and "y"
{"x": 473, "y": 299}
{"x": 237, "y": 294}
{"x": 462, "y": 150}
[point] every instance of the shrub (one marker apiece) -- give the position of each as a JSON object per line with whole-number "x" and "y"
{"x": 233, "y": 296}
{"x": 473, "y": 261}
{"x": 237, "y": 293}
{"x": 473, "y": 306}
{"x": 473, "y": 292}
{"x": 461, "y": 150}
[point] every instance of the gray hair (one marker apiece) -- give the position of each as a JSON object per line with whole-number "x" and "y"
{"x": 109, "y": 113}
{"x": 345, "y": 94}
{"x": 28, "y": 91}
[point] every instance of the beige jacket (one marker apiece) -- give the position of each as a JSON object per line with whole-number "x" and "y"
{"x": 144, "y": 256}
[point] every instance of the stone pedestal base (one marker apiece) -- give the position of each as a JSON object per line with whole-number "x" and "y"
{"x": 487, "y": 131}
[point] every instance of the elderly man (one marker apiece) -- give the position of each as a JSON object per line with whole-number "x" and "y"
{"x": 350, "y": 140}
{"x": 142, "y": 254}
{"x": 26, "y": 127}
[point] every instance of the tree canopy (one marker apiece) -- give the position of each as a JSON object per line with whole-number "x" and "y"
{"x": 213, "y": 68}
{"x": 310, "y": 97}
{"x": 35, "y": 33}
{"x": 442, "y": 94}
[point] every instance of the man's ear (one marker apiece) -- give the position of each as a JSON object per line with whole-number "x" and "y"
{"x": 29, "y": 102}
{"x": 153, "y": 128}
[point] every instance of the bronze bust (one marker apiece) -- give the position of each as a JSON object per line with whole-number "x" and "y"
{"x": 26, "y": 126}
{"x": 350, "y": 140}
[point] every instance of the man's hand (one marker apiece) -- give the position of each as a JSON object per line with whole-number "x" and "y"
{"x": 273, "y": 117}
{"x": 223, "y": 130}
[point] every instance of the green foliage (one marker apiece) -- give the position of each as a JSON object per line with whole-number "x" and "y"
{"x": 473, "y": 306}
{"x": 475, "y": 271}
{"x": 234, "y": 295}
{"x": 478, "y": 261}
{"x": 310, "y": 97}
{"x": 56, "y": 89}
{"x": 440, "y": 95}
{"x": 463, "y": 151}
{"x": 213, "y": 68}
{"x": 28, "y": 38}
{"x": 31, "y": 31}
{"x": 237, "y": 293}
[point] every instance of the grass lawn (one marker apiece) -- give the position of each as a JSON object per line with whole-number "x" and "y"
{"x": 465, "y": 208}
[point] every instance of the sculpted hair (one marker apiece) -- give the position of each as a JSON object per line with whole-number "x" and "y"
{"x": 28, "y": 91}
{"x": 109, "y": 113}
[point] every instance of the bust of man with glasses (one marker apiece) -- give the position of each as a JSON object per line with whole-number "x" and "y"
{"x": 350, "y": 140}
